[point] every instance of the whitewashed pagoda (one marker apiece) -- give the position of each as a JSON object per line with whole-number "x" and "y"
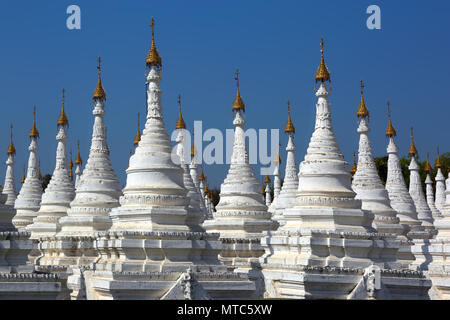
{"x": 327, "y": 248}
{"x": 367, "y": 183}
{"x": 416, "y": 191}
{"x": 440, "y": 185}
{"x": 429, "y": 190}
{"x": 288, "y": 192}
{"x": 60, "y": 190}
{"x": 161, "y": 257}
{"x": 241, "y": 216}
{"x": 9, "y": 187}
{"x": 79, "y": 163}
{"x": 29, "y": 199}
{"x": 195, "y": 179}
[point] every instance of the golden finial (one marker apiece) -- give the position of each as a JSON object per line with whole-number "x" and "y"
{"x": 427, "y": 164}
{"x": 277, "y": 158}
{"x": 438, "y": 160}
{"x": 23, "y": 175}
{"x": 153, "y": 59}
{"x": 62, "y": 120}
{"x": 289, "y": 128}
{"x": 71, "y": 167}
{"x": 78, "y": 160}
{"x": 39, "y": 174}
{"x": 138, "y": 134}
{"x": 362, "y": 110}
{"x": 267, "y": 179}
{"x": 412, "y": 149}
{"x": 206, "y": 189}
{"x": 355, "y": 166}
{"x": 390, "y": 131}
{"x": 180, "y": 122}
{"x": 99, "y": 93}
{"x": 322, "y": 73}
{"x": 11, "y": 148}
{"x": 34, "y": 131}
{"x": 238, "y": 104}
{"x": 193, "y": 150}
{"x": 201, "y": 177}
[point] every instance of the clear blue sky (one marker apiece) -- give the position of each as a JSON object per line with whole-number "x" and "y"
{"x": 275, "y": 44}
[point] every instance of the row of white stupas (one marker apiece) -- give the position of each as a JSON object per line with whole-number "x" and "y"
{"x": 324, "y": 235}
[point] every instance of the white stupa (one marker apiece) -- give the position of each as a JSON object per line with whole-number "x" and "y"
{"x": 28, "y": 201}
{"x": 268, "y": 191}
{"x": 367, "y": 183}
{"x": 440, "y": 185}
{"x": 195, "y": 179}
{"x": 276, "y": 174}
{"x": 416, "y": 191}
{"x": 60, "y": 190}
{"x": 79, "y": 163}
{"x": 9, "y": 187}
{"x": 429, "y": 190}
{"x": 98, "y": 189}
{"x": 327, "y": 248}
{"x": 196, "y": 214}
{"x": 288, "y": 192}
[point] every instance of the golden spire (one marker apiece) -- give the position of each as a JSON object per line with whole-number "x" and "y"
{"x": 322, "y": 73}
{"x": 62, "y": 120}
{"x": 201, "y": 177}
{"x": 238, "y": 104}
{"x": 78, "y": 158}
{"x": 193, "y": 150}
{"x": 34, "y": 131}
{"x": 438, "y": 160}
{"x": 355, "y": 166}
{"x": 206, "y": 189}
{"x": 153, "y": 59}
{"x": 71, "y": 167}
{"x": 427, "y": 164}
{"x": 412, "y": 149}
{"x": 23, "y": 175}
{"x": 267, "y": 179}
{"x": 390, "y": 131}
{"x": 362, "y": 110}
{"x": 11, "y": 148}
{"x": 138, "y": 134}
{"x": 277, "y": 158}
{"x": 39, "y": 173}
{"x": 180, "y": 122}
{"x": 99, "y": 93}
{"x": 289, "y": 128}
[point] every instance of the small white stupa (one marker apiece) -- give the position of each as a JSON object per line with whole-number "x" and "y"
{"x": 288, "y": 192}
{"x": 367, "y": 183}
{"x": 79, "y": 163}
{"x": 60, "y": 190}
{"x": 9, "y": 187}
{"x": 195, "y": 178}
{"x": 440, "y": 185}
{"x": 29, "y": 199}
{"x": 429, "y": 190}
{"x": 416, "y": 191}
{"x": 196, "y": 214}
{"x": 276, "y": 174}
{"x": 268, "y": 191}
{"x": 327, "y": 248}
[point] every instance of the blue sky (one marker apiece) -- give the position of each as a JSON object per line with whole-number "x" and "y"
{"x": 275, "y": 44}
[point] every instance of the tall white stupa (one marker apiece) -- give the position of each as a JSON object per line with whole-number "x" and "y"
{"x": 367, "y": 183}
{"x": 9, "y": 187}
{"x": 241, "y": 216}
{"x": 29, "y": 199}
{"x": 327, "y": 248}
{"x": 79, "y": 163}
{"x": 429, "y": 190}
{"x": 288, "y": 192}
{"x": 416, "y": 191}
{"x": 161, "y": 257}
{"x": 440, "y": 185}
{"x": 60, "y": 190}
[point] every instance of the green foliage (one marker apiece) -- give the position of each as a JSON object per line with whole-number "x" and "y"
{"x": 215, "y": 196}
{"x": 381, "y": 164}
